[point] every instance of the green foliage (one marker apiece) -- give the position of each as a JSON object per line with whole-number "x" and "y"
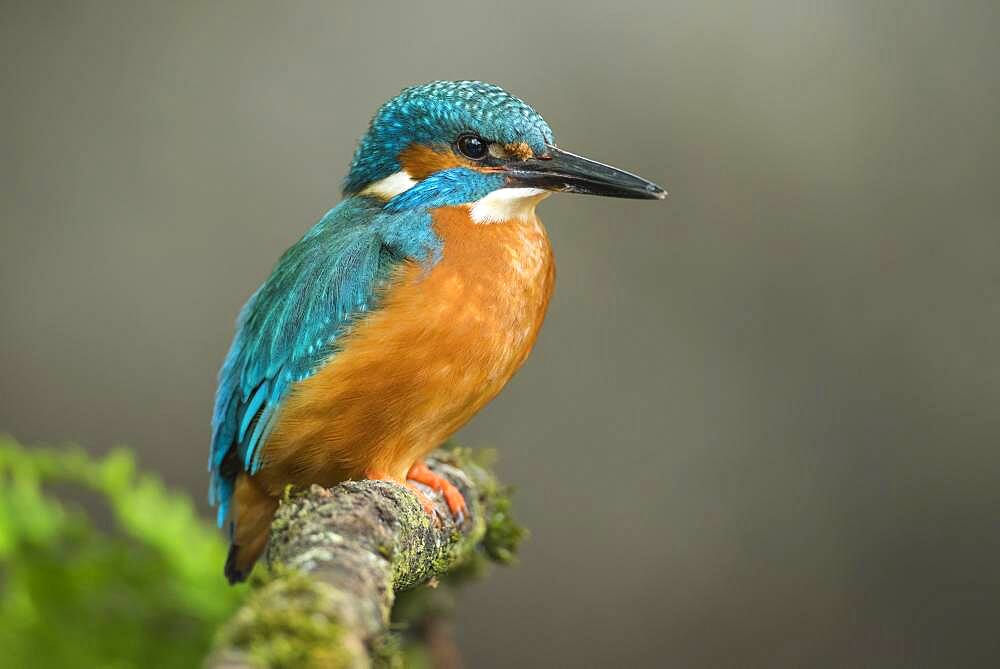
{"x": 147, "y": 592}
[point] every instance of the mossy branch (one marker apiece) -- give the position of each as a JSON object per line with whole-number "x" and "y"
{"x": 337, "y": 557}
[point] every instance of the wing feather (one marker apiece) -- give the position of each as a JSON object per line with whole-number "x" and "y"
{"x": 289, "y": 328}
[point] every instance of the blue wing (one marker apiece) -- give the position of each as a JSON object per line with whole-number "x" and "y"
{"x": 289, "y": 328}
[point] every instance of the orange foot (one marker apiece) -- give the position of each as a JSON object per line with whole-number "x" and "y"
{"x": 421, "y": 473}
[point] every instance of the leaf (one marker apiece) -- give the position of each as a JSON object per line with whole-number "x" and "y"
{"x": 149, "y": 592}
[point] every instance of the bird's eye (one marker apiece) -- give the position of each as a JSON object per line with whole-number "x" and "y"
{"x": 472, "y": 147}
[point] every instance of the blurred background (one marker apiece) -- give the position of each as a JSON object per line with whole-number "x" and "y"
{"x": 760, "y": 426}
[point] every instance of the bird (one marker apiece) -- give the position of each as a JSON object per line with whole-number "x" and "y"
{"x": 402, "y": 312}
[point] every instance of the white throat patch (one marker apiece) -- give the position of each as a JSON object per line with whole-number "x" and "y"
{"x": 391, "y": 186}
{"x": 501, "y": 205}
{"x": 506, "y": 204}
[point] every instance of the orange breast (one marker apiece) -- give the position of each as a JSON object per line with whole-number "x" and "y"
{"x": 443, "y": 343}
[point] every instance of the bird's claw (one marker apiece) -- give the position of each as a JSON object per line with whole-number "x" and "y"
{"x": 421, "y": 473}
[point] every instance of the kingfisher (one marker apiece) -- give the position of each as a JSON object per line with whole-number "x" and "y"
{"x": 402, "y": 312}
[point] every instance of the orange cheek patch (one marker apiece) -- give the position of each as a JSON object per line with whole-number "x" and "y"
{"x": 422, "y": 161}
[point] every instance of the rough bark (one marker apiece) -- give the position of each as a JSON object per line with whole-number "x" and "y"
{"x": 338, "y": 556}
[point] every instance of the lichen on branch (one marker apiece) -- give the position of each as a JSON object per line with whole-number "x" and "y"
{"x": 337, "y": 558}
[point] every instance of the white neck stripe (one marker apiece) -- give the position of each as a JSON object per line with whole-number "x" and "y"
{"x": 391, "y": 186}
{"x": 501, "y": 205}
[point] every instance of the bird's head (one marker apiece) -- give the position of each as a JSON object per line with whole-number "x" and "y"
{"x": 459, "y": 142}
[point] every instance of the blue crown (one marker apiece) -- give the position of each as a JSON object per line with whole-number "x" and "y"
{"x": 436, "y": 114}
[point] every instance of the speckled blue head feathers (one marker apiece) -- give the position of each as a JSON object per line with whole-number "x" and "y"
{"x": 435, "y": 114}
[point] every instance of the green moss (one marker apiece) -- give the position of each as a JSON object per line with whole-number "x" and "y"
{"x": 387, "y": 652}
{"x": 396, "y": 651}
{"x": 462, "y": 456}
{"x": 503, "y": 534}
{"x": 286, "y": 623}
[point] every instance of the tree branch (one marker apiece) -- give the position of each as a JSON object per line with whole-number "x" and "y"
{"x": 338, "y": 556}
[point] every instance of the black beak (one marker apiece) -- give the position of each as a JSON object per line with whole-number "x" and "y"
{"x": 560, "y": 170}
